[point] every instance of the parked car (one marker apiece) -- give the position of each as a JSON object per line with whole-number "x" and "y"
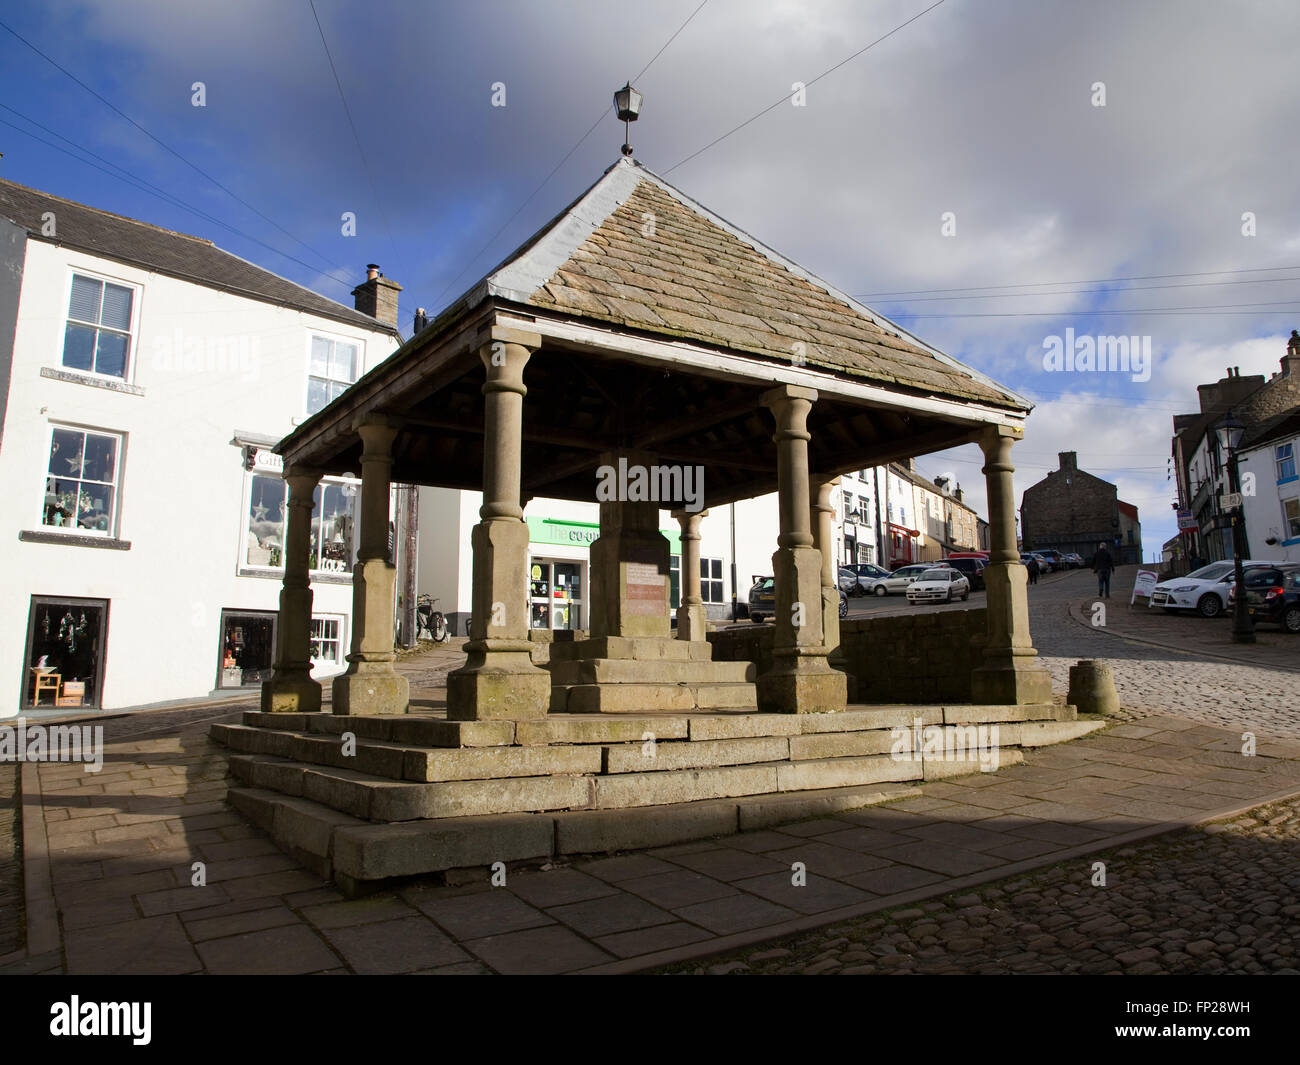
{"x": 1053, "y": 556}
{"x": 1272, "y": 595}
{"x": 939, "y": 585}
{"x": 896, "y": 583}
{"x": 1045, "y": 562}
{"x": 972, "y": 567}
{"x": 864, "y": 574}
{"x": 1074, "y": 561}
{"x": 848, "y": 581}
{"x": 1204, "y": 590}
{"x": 762, "y": 600}
{"x": 971, "y": 554}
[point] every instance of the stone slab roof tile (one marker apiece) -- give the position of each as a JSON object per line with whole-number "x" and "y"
{"x": 698, "y": 278}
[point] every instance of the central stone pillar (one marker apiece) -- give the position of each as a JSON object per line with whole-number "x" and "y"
{"x": 371, "y": 685}
{"x": 499, "y": 679}
{"x": 691, "y": 621}
{"x": 629, "y": 561}
{"x": 823, "y": 526}
{"x": 800, "y": 680}
{"x": 290, "y": 688}
{"x": 1009, "y": 674}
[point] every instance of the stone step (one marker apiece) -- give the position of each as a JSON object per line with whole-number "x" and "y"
{"x": 422, "y": 729}
{"x": 641, "y": 648}
{"x": 658, "y": 671}
{"x": 639, "y": 698}
{"x": 360, "y": 856}
{"x": 375, "y": 799}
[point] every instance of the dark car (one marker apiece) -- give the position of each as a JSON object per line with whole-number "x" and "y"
{"x": 1272, "y": 595}
{"x": 762, "y": 600}
{"x": 972, "y": 567}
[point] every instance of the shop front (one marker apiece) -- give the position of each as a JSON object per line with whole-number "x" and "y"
{"x": 558, "y": 572}
{"x": 64, "y": 664}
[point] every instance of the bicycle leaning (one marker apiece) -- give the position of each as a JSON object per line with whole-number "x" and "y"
{"x": 429, "y": 620}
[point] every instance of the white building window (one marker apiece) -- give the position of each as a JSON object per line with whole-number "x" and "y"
{"x": 333, "y": 369}
{"x": 81, "y": 481}
{"x": 1291, "y": 517}
{"x": 327, "y": 640}
{"x": 1285, "y": 463}
{"x": 333, "y": 524}
{"x": 97, "y": 338}
{"x": 711, "y": 585}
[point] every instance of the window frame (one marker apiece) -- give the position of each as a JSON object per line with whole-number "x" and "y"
{"x": 133, "y": 335}
{"x": 341, "y": 621}
{"x": 1290, "y": 537}
{"x": 358, "y": 370}
{"x": 244, "y": 568}
{"x": 707, "y": 578}
{"x": 119, "y": 462}
{"x": 1290, "y": 459}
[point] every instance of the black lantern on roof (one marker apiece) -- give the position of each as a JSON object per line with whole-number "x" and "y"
{"x": 627, "y": 103}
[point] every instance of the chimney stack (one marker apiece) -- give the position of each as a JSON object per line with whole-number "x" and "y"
{"x": 377, "y": 296}
{"x": 1069, "y": 460}
{"x": 1291, "y": 360}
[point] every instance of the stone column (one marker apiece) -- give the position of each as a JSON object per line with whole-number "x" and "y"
{"x": 822, "y": 514}
{"x": 1009, "y": 674}
{"x": 691, "y": 618}
{"x": 800, "y": 680}
{"x": 371, "y": 685}
{"x": 291, "y": 688}
{"x": 630, "y": 559}
{"x": 499, "y": 679}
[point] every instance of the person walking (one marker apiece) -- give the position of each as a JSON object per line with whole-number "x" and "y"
{"x": 1103, "y": 564}
{"x": 1032, "y": 566}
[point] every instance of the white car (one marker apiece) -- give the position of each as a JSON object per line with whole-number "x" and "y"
{"x": 940, "y": 585}
{"x": 1204, "y": 590}
{"x": 899, "y": 580}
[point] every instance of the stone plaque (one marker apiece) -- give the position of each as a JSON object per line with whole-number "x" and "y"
{"x": 646, "y": 590}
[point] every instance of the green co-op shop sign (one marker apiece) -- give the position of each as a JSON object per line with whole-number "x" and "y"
{"x": 581, "y": 533}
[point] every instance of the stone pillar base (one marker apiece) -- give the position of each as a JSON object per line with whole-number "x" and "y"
{"x": 803, "y": 685}
{"x": 372, "y": 689}
{"x": 292, "y": 694}
{"x": 1012, "y": 682}
{"x": 498, "y": 685}
{"x": 692, "y": 624}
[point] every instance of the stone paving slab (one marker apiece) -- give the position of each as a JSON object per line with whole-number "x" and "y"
{"x": 121, "y": 874}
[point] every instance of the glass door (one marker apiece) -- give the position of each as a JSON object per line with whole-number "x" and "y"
{"x": 247, "y": 648}
{"x": 539, "y": 594}
{"x": 555, "y": 594}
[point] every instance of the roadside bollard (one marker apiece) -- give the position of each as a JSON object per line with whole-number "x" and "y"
{"x": 1092, "y": 688}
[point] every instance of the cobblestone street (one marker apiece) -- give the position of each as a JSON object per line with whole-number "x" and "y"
{"x": 1224, "y": 898}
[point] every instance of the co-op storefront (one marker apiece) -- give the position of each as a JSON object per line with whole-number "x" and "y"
{"x": 560, "y": 534}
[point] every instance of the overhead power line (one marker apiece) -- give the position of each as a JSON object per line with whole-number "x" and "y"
{"x": 162, "y": 144}
{"x": 786, "y": 98}
{"x": 1090, "y": 291}
{"x": 556, "y": 168}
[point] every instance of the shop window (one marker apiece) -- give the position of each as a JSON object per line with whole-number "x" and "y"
{"x": 1285, "y": 463}
{"x": 333, "y": 369}
{"x": 81, "y": 482}
{"x": 247, "y": 648}
{"x": 333, "y": 524}
{"x": 97, "y": 338}
{"x": 327, "y": 641}
{"x": 65, "y": 652}
{"x": 674, "y": 581}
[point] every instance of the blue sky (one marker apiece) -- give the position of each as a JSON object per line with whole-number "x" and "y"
{"x": 982, "y": 110}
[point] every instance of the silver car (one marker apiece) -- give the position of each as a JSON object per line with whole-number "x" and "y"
{"x": 940, "y": 585}
{"x": 896, "y": 583}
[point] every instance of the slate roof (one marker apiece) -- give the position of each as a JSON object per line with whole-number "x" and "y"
{"x": 697, "y": 277}
{"x": 165, "y": 251}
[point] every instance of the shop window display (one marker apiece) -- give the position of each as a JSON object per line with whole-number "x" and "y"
{"x": 247, "y": 648}
{"x": 81, "y": 483}
{"x": 333, "y": 523}
{"x": 65, "y": 655}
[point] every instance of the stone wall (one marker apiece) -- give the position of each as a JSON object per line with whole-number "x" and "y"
{"x": 924, "y": 657}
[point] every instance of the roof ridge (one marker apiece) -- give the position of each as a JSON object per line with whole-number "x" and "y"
{"x": 111, "y": 214}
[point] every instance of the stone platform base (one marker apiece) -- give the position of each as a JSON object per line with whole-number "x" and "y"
{"x": 621, "y": 675}
{"x": 418, "y": 794}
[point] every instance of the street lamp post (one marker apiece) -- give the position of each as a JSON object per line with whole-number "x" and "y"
{"x": 1229, "y": 431}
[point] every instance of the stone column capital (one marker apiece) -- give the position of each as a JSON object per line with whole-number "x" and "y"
{"x": 689, "y": 520}
{"x": 820, "y": 494}
{"x": 377, "y": 432}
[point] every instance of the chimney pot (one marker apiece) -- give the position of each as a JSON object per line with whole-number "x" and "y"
{"x": 372, "y": 271}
